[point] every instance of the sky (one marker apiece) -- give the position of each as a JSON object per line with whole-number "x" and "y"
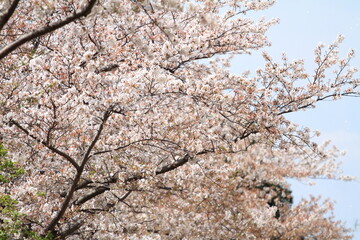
{"x": 303, "y": 24}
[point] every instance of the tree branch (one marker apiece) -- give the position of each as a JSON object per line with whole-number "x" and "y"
{"x": 70, "y": 230}
{"x": 170, "y": 167}
{"x": 98, "y": 191}
{"x": 102, "y": 189}
{"x": 52, "y": 148}
{"x": 46, "y": 29}
{"x": 5, "y": 18}
{"x": 107, "y": 68}
{"x": 83, "y": 184}
{"x": 164, "y": 169}
{"x": 77, "y": 178}
{"x": 96, "y": 138}
{"x": 123, "y": 197}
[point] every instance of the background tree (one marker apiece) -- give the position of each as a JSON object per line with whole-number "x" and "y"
{"x": 124, "y": 133}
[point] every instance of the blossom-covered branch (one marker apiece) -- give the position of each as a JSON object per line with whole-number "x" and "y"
{"x": 4, "y": 51}
{"x": 50, "y": 147}
{"x": 160, "y": 138}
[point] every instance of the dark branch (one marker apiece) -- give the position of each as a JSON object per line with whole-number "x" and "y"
{"x": 120, "y": 147}
{"x": 77, "y": 178}
{"x": 98, "y": 191}
{"x": 134, "y": 178}
{"x": 123, "y": 197}
{"x": 46, "y": 29}
{"x": 162, "y": 170}
{"x": 52, "y": 148}
{"x": 70, "y": 230}
{"x": 107, "y": 68}
{"x": 170, "y": 167}
{"x": 5, "y": 18}
{"x": 96, "y": 138}
{"x": 101, "y": 189}
{"x": 84, "y": 184}
{"x": 66, "y": 202}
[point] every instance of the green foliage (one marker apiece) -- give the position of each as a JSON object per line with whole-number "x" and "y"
{"x": 8, "y": 168}
{"x": 41, "y": 194}
{"x": 12, "y": 222}
{"x": 11, "y": 219}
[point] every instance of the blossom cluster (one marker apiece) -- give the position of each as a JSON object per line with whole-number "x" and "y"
{"x": 130, "y": 125}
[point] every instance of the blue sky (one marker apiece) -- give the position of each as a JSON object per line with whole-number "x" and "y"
{"x": 303, "y": 24}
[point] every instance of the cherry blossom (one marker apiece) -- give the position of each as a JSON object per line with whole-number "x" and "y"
{"x": 129, "y": 123}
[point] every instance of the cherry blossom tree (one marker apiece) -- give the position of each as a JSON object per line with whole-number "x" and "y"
{"x": 129, "y": 125}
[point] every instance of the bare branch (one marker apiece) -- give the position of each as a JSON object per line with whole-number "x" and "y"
{"x": 98, "y": 191}
{"x": 46, "y": 29}
{"x": 123, "y": 197}
{"x": 5, "y": 18}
